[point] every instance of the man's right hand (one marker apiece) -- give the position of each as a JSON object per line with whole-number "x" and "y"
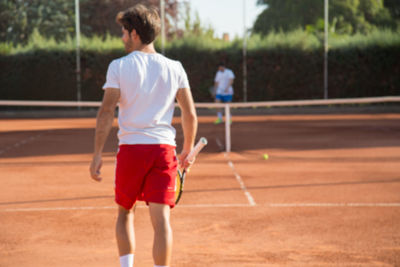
{"x": 189, "y": 124}
{"x": 95, "y": 167}
{"x": 184, "y": 163}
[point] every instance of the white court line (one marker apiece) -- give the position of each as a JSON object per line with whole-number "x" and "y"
{"x": 115, "y": 207}
{"x": 241, "y": 183}
{"x": 249, "y": 197}
{"x": 327, "y": 205}
{"x": 181, "y": 206}
{"x": 57, "y": 209}
{"x": 20, "y": 143}
{"x": 219, "y": 144}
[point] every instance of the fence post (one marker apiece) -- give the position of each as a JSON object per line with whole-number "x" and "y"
{"x": 78, "y": 52}
{"x": 227, "y": 128}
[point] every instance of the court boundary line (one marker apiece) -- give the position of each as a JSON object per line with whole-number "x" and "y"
{"x": 249, "y": 197}
{"x": 327, "y": 205}
{"x": 21, "y": 143}
{"x": 239, "y": 179}
{"x": 267, "y": 205}
{"x": 227, "y": 205}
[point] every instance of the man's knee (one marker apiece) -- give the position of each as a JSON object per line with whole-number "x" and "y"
{"x": 160, "y": 215}
{"x": 125, "y": 213}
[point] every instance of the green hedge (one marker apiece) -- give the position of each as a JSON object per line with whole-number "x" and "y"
{"x": 273, "y": 74}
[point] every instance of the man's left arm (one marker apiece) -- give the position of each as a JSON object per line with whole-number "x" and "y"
{"x": 105, "y": 118}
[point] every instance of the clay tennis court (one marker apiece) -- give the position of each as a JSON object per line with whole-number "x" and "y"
{"x": 329, "y": 194}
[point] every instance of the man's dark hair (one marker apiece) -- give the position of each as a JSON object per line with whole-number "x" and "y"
{"x": 221, "y": 64}
{"x": 144, "y": 20}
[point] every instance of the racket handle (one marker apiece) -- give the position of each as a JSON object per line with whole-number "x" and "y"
{"x": 200, "y": 144}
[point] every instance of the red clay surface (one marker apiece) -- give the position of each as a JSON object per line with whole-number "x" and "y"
{"x": 329, "y": 195}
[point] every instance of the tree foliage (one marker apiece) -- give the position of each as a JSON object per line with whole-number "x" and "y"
{"x": 345, "y": 16}
{"x": 287, "y": 15}
{"x": 394, "y": 8}
{"x": 19, "y": 18}
{"x": 56, "y": 18}
{"x": 98, "y": 16}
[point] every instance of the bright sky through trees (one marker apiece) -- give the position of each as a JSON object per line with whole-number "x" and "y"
{"x": 226, "y": 16}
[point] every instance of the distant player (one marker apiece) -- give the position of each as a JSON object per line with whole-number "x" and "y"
{"x": 223, "y": 87}
{"x": 146, "y": 85}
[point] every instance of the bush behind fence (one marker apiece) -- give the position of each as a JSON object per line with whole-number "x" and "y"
{"x": 273, "y": 74}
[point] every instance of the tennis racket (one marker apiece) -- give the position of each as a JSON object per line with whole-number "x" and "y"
{"x": 213, "y": 91}
{"x": 180, "y": 178}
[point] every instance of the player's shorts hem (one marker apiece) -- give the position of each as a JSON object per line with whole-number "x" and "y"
{"x": 166, "y": 198}
{"x": 171, "y": 205}
{"x": 161, "y": 197}
{"x": 123, "y": 200}
{"x": 224, "y": 98}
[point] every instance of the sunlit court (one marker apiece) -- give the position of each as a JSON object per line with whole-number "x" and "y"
{"x": 326, "y": 195}
{"x": 175, "y": 133}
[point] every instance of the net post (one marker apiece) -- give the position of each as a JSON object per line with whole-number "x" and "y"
{"x": 78, "y": 52}
{"x": 326, "y": 47}
{"x": 227, "y": 128}
{"x": 244, "y": 53}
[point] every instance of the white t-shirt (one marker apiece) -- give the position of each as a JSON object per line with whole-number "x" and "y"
{"x": 148, "y": 84}
{"x": 223, "y": 78}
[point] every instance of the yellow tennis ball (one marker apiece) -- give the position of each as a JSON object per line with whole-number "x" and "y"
{"x": 265, "y": 156}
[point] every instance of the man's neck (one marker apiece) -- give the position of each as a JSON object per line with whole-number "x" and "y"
{"x": 146, "y": 48}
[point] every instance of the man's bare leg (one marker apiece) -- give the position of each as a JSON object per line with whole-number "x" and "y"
{"x": 162, "y": 246}
{"x": 219, "y": 113}
{"x": 125, "y": 234}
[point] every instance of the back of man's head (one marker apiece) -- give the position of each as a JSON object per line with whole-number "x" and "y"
{"x": 144, "y": 20}
{"x": 221, "y": 64}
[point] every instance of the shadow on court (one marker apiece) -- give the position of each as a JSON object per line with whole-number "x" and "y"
{"x": 293, "y": 186}
{"x": 54, "y": 200}
{"x": 269, "y": 134}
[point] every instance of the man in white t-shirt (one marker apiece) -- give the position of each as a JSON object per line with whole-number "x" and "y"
{"x": 223, "y": 87}
{"x": 146, "y": 85}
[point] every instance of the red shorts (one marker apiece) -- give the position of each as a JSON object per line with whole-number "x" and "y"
{"x": 145, "y": 172}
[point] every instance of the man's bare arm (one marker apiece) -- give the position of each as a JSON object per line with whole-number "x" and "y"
{"x": 105, "y": 118}
{"x": 215, "y": 85}
{"x": 189, "y": 123}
